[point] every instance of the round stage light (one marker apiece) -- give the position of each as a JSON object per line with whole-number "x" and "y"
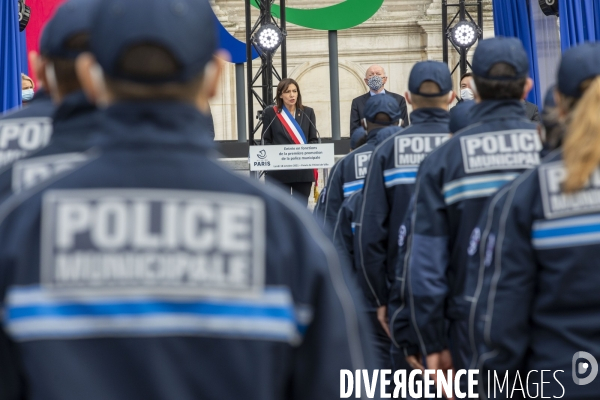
{"x": 24, "y": 15}
{"x": 268, "y": 38}
{"x": 464, "y": 34}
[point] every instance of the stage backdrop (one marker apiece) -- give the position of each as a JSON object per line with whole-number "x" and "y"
{"x": 579, "y": 22}
{"x": 513, "y": 18}
{"x": 41, "y": 11}
{"x": 10, "y": 58}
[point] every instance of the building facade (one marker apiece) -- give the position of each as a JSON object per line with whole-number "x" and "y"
{"x": 400, "y": 34}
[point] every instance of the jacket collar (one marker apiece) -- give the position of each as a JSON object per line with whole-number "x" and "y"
{"x": 72, "y": 113}
{"x": 429, "y": 115}
{"x": 165, "y": 123}
{"x": 490, "y": 110}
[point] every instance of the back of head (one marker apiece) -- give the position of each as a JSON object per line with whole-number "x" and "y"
{"x": 154, "y": 49}
{"x": 380, "y": 111}
{"x": 429, "y": 84}
{"x": 500, "y": 69}
{"x": 64, "y": 38}
{"x": 579, "y": 98}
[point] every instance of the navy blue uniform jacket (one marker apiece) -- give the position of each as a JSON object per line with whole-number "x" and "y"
{"x": 26, "y": 130}
{"x": 348, "y": 176}
{"x": 153, "y": 272}
{"x": 453, "y": 185}
{"x": 74, "y": 124}
{"x": 388, "y": 188}
{"x": 536, "y": 302}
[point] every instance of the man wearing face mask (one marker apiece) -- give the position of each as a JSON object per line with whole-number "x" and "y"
{"x": 375, "y": 79}
{"x": 466, "y": 92}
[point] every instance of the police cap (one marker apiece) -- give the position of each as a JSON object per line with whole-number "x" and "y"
{"x": 385, "y": 104}
{"x": 185, "y": 29}
{"x": 433, "y": 71}
{"x": 71, "y": 19}
{"x": 497, "y": 50}
{"x": 577, "y": 65}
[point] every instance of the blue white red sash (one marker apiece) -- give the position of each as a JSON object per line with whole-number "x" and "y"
{"x": 294, "y": 130}
{"x": 290, "y": 125}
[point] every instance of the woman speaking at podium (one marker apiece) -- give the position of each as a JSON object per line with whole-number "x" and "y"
{"x": 290, "y": 123}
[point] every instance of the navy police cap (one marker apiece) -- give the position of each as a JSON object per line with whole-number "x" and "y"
{"x": 70, "y": 19}
{"x": 577, "y": 65}
{"x": 382, "y": 103}
{"x": 433, "y": 71}
{"x": 490, "y": 52}
{"x": 184, "y": 28}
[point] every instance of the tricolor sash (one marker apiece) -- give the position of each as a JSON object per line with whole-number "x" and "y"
{"x": 292, "y": 127}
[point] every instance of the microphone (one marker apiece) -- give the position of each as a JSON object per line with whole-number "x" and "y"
{"x": 262, "y": 135}
{"x": 309, "y": 120}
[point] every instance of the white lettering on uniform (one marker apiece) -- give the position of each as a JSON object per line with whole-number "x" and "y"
{"x": 73, "y": 218}
{"x": 514, "y": 149}
{"x": 116, "y": 238}
{"x": 110, "y": 225}
{"x": 411, "y": 149}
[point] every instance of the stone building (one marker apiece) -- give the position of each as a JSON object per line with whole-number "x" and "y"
{"x": 401, "y": 33}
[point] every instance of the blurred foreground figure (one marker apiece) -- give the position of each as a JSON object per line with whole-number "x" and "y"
{"x": 75, "y": 120}
{"x": 535, "y": 287}
{"x": 135, "y": 276}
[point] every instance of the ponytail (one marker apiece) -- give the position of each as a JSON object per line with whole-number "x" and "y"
{"x": 581, "y": 150}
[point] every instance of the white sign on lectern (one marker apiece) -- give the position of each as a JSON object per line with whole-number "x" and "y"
{"x": 304, "y": 156}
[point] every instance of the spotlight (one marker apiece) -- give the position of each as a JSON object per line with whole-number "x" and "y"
{"x": 24, "y": 15}
{"x": 268, "y": 38}
{"x": 549, "y": 7}
{"x": 464, "y": 34}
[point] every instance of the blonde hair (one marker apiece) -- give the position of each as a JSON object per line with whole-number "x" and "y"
{"x": 28, "y": 79}
{"x": 581, "y": 150}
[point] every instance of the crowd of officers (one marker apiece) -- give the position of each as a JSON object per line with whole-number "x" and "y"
{"x": 473, "y": 233}
{"x": 133, "y": 265}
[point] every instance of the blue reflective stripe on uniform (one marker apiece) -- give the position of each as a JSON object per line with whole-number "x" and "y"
{"x": 36, "y": 314}
{"x": 475, "y": 186}
{"x": 353, "y": 225}
{"x": 353, "y": 187}
{"x": 399, "y": 176}
{"x": 566, "y": 232}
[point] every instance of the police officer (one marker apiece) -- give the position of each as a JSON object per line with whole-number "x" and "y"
{"x": 75, "y": 121}
{"x": 536, "y": 298}
{"x": 348, "y": 175}
{"x": 452, "y": 187}
{"x": 357, "y": 139}
{"x": 26, "y": 130}
{"x": 390, "y": 182}
{"x": 136, "y": 276}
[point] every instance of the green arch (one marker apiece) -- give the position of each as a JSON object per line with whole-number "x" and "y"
{"x": 347, "y": 14}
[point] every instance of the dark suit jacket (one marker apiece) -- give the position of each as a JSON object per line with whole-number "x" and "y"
{"x": 532, "y": 111}
{"x": 358, "y": 106}
{"x": 274, "y": 133}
